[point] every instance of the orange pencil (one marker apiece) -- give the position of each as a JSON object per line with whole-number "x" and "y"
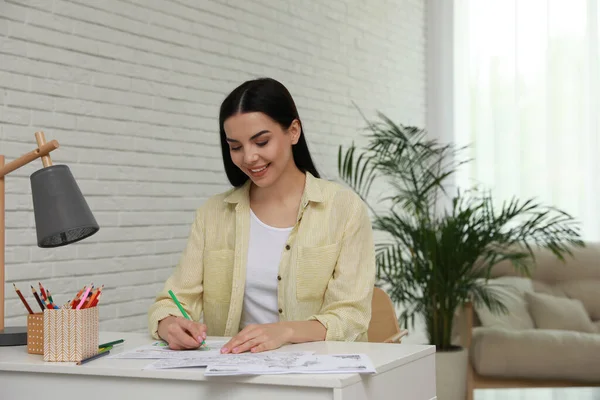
{"x": 76, "y": 299}
{"x": 95, "y": 303}
{"x": 88, "y": 301}
{"x": 92, "y": 299}
{"x": 23, "y": 299}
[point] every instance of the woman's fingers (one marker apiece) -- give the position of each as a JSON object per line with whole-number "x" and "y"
{"x": 195, "y": 329}
{"x": 246, "y": 334}
{"x": 264, "y": 346}
{"x": 180, "y": 337}
{"x": 246, "y": 346}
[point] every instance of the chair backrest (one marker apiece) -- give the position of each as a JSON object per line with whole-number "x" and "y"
{"x": 384, "y": 323}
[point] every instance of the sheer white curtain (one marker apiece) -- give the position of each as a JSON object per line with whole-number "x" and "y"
{"x": 527, "y": 101}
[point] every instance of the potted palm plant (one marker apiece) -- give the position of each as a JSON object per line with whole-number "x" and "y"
{"x": 438, "y": 247}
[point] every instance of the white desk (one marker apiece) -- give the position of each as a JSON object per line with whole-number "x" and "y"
{"x": 403, "y": 372}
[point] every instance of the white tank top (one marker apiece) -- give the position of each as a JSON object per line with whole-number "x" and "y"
{"x": 264, "y": 254}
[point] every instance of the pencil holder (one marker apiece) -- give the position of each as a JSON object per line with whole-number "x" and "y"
{"x": 70, "y": 335}
{"x": 35, "y": 333}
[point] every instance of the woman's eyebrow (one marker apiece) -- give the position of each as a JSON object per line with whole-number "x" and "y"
{"x": 252, "y": 138}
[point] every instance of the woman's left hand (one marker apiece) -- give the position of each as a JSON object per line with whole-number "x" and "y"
{"x": 257, "y": 338}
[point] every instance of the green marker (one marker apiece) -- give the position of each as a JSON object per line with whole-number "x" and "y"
{"x": 178, "y": 304}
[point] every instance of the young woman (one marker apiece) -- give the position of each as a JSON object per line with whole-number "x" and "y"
{"x": 284, "y": 256}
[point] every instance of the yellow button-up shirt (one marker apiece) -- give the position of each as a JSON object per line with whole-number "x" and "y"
{"x": 326, "y": 272}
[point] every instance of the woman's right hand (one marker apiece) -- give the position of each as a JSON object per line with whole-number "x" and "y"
{"x": 181, "y": 333}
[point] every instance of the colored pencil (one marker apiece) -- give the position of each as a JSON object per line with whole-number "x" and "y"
{"x": 42, "y": 291}
{"x": 49, "y": 305}
{"x": 178, "y": 304}
{"x": 92, "y": 299}
{"x": 102, "y": 353}
{"x": 111, "y": 343}
{"x": 185, "y": 314}
{"x": 83, "y": 297}
{"x": 95, "y": 303}
{"x": 86, "y": 301}
{"x": 49, "y": 296}
{"x": 74, "y": 301}
{"x": 23, "y": 299}
{"x": 37, "y": 297}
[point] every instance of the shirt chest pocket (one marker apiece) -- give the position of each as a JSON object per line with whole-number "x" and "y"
{"x": 218, "y": 275}
{"x": 315, "y": 266}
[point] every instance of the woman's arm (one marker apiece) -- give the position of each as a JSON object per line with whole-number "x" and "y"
{"x": 185, "y": 282}
{"x": 346, "y": 310}
{"x": 305, "y": 331}
{"x": 262, "y": 337}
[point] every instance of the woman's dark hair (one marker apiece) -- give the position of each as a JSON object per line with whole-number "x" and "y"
{"x": 271, "y": 98}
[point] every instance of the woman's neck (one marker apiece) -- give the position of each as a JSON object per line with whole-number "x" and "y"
{"x": 287, "y": 189}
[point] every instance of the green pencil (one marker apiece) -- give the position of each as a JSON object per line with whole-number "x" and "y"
{"x": 111, "y": 343}
{"x": 178, "y": 304}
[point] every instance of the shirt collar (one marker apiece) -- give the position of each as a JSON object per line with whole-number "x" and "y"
{"x": 312, "y": 192}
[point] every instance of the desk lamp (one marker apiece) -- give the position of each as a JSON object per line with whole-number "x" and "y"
{"x": 62, "y": 215}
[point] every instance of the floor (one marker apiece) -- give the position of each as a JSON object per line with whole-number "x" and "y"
{"x": 538, "y": 394}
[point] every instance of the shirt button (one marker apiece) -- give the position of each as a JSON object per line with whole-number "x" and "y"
{"x": 280, "y": 311}
{"x": 287, "y": 246}
{"x": 278, "y": 277}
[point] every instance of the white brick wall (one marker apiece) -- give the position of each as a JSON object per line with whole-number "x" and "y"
{"x": 131, "y": 90}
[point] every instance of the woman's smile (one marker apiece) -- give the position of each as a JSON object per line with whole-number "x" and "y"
{"x": 260, "y": 171}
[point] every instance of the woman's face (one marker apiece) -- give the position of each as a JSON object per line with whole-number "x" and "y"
{"x": 260, "y": 147}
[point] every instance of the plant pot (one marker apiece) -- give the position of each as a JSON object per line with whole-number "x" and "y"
{"x": 451, "y": 373}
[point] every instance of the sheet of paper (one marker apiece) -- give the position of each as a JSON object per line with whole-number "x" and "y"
{"x": 307, "y": 364}
{"x": 265, "y": 359}
{"x": 160, "y": 350}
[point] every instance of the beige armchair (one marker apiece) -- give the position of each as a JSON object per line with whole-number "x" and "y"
{"x": 505, "y": 356}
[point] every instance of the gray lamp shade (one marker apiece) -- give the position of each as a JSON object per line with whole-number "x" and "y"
{"x": 62, "y": 216}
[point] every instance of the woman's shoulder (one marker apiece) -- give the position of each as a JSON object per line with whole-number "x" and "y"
{"x": 338, "y": 195}
{"x": 342, "y": 207}
{"x": 218, "y": 202}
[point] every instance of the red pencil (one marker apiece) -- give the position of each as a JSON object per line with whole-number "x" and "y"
{"x": 23, "y": 299}
{"x": 42, "y": 291}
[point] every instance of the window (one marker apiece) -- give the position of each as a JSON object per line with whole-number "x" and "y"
{"x": 527, "y": 101}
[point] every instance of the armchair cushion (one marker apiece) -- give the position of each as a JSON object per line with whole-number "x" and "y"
{"x": 510, "y": 290}
{"x": 559, "y": 313}
{"x": 536, "y": 354}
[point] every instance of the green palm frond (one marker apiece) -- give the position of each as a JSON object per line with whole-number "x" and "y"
{"x": 434, "y": 261}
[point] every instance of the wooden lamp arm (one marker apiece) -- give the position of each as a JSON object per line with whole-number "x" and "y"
{"x": 42, "y": 151}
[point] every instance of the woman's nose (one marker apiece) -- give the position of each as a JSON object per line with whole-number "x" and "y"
{"x": 250, "y": 157}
